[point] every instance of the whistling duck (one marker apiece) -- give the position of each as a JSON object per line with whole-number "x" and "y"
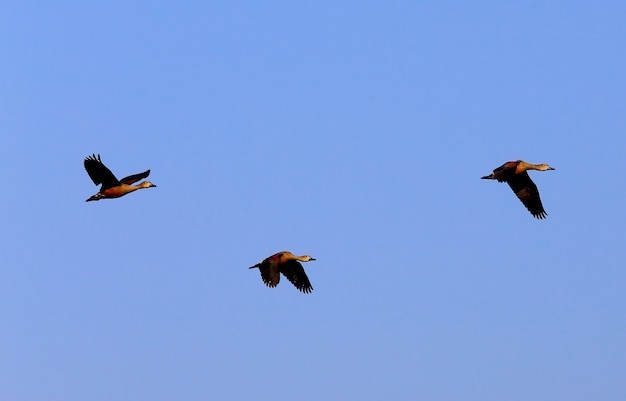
{"x": 111, "y": 187}
{"x": 515, "y": 174}
{"x": 288, "y": 264}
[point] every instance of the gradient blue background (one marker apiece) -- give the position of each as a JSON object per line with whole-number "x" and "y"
{"x": 353, "y": 131}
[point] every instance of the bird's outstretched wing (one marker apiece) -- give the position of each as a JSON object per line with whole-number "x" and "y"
{"x": 527, "y": 192}
{"x": 294, "y": 272}
{"x": 99, "y": 173}
{"x": 131, "y": 179}
{"x": 502, "y": 173}
{"x": 270, "y": 273}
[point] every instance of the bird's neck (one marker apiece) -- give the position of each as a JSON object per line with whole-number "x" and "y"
{"x": 132, "y": 188}
{"x": 141, "y": 185}
{"x": 523, "y": 166}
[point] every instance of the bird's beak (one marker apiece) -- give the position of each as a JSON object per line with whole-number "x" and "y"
{"x": 313, "y": 259}
{"x": 551, "y": 168}
{"x": 152, "y": 185}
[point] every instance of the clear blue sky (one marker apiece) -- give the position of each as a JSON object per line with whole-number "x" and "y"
{"x": 353, "y": 131}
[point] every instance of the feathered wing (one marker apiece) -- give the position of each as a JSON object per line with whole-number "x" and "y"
{"x": 527, "y": 192}
{"x": 99, "y": 173}
{"x": 294, "y": 272}
{"x": 270, "y": 273}
{"x": 131, "y": 179}
{"x": 504, "y": 172}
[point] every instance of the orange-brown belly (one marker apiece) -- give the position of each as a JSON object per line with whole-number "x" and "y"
{"x": 113, "y": 193}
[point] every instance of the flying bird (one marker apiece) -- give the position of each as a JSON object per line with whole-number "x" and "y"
{"x": 111, "y": 186}
{"x": 516, "y": 175}
{"x": 289, "y": 265}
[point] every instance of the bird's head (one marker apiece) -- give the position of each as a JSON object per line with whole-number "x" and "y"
{"x": 147, "y": 184}
{"x": 544, "y": 167}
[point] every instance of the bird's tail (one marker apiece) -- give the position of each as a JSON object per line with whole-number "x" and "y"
{"x": 95, "y": 197}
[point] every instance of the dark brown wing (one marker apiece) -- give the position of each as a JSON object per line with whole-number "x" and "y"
{"x": 294, "y": 272}
{"x": 99, "y": 173}
{"x": 527, "y": 192}
{"x": 503, "y": 173}
{"x": 270, "y": 273}
{"x": 131, "y": 179}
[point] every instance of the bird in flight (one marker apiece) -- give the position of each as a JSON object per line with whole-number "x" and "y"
{"x": 515, "y": 174}
{"x": 289, "y": 265}
{"x": 111, "y": 186}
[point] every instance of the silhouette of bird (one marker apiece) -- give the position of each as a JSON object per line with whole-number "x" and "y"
{"x": 111, "y": 186}
{"x": 289, "y": 265}
{"x": 515, "y": 174}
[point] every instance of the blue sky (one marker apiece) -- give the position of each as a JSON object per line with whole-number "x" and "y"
{"x": 355, "y": 132}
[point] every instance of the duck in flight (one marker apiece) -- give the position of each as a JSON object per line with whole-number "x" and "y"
{"x": 516, "y": 175}
{"x": 289, "y": 265}
{"x": 111, "y": 186}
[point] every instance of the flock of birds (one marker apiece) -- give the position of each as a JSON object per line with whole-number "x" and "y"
{"x": 514, "y": 173}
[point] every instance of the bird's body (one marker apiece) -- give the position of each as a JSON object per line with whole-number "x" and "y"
{"x": 515, "y": 173}
{"x": 111, "y": 186}
{"x": 289, "y": 265}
